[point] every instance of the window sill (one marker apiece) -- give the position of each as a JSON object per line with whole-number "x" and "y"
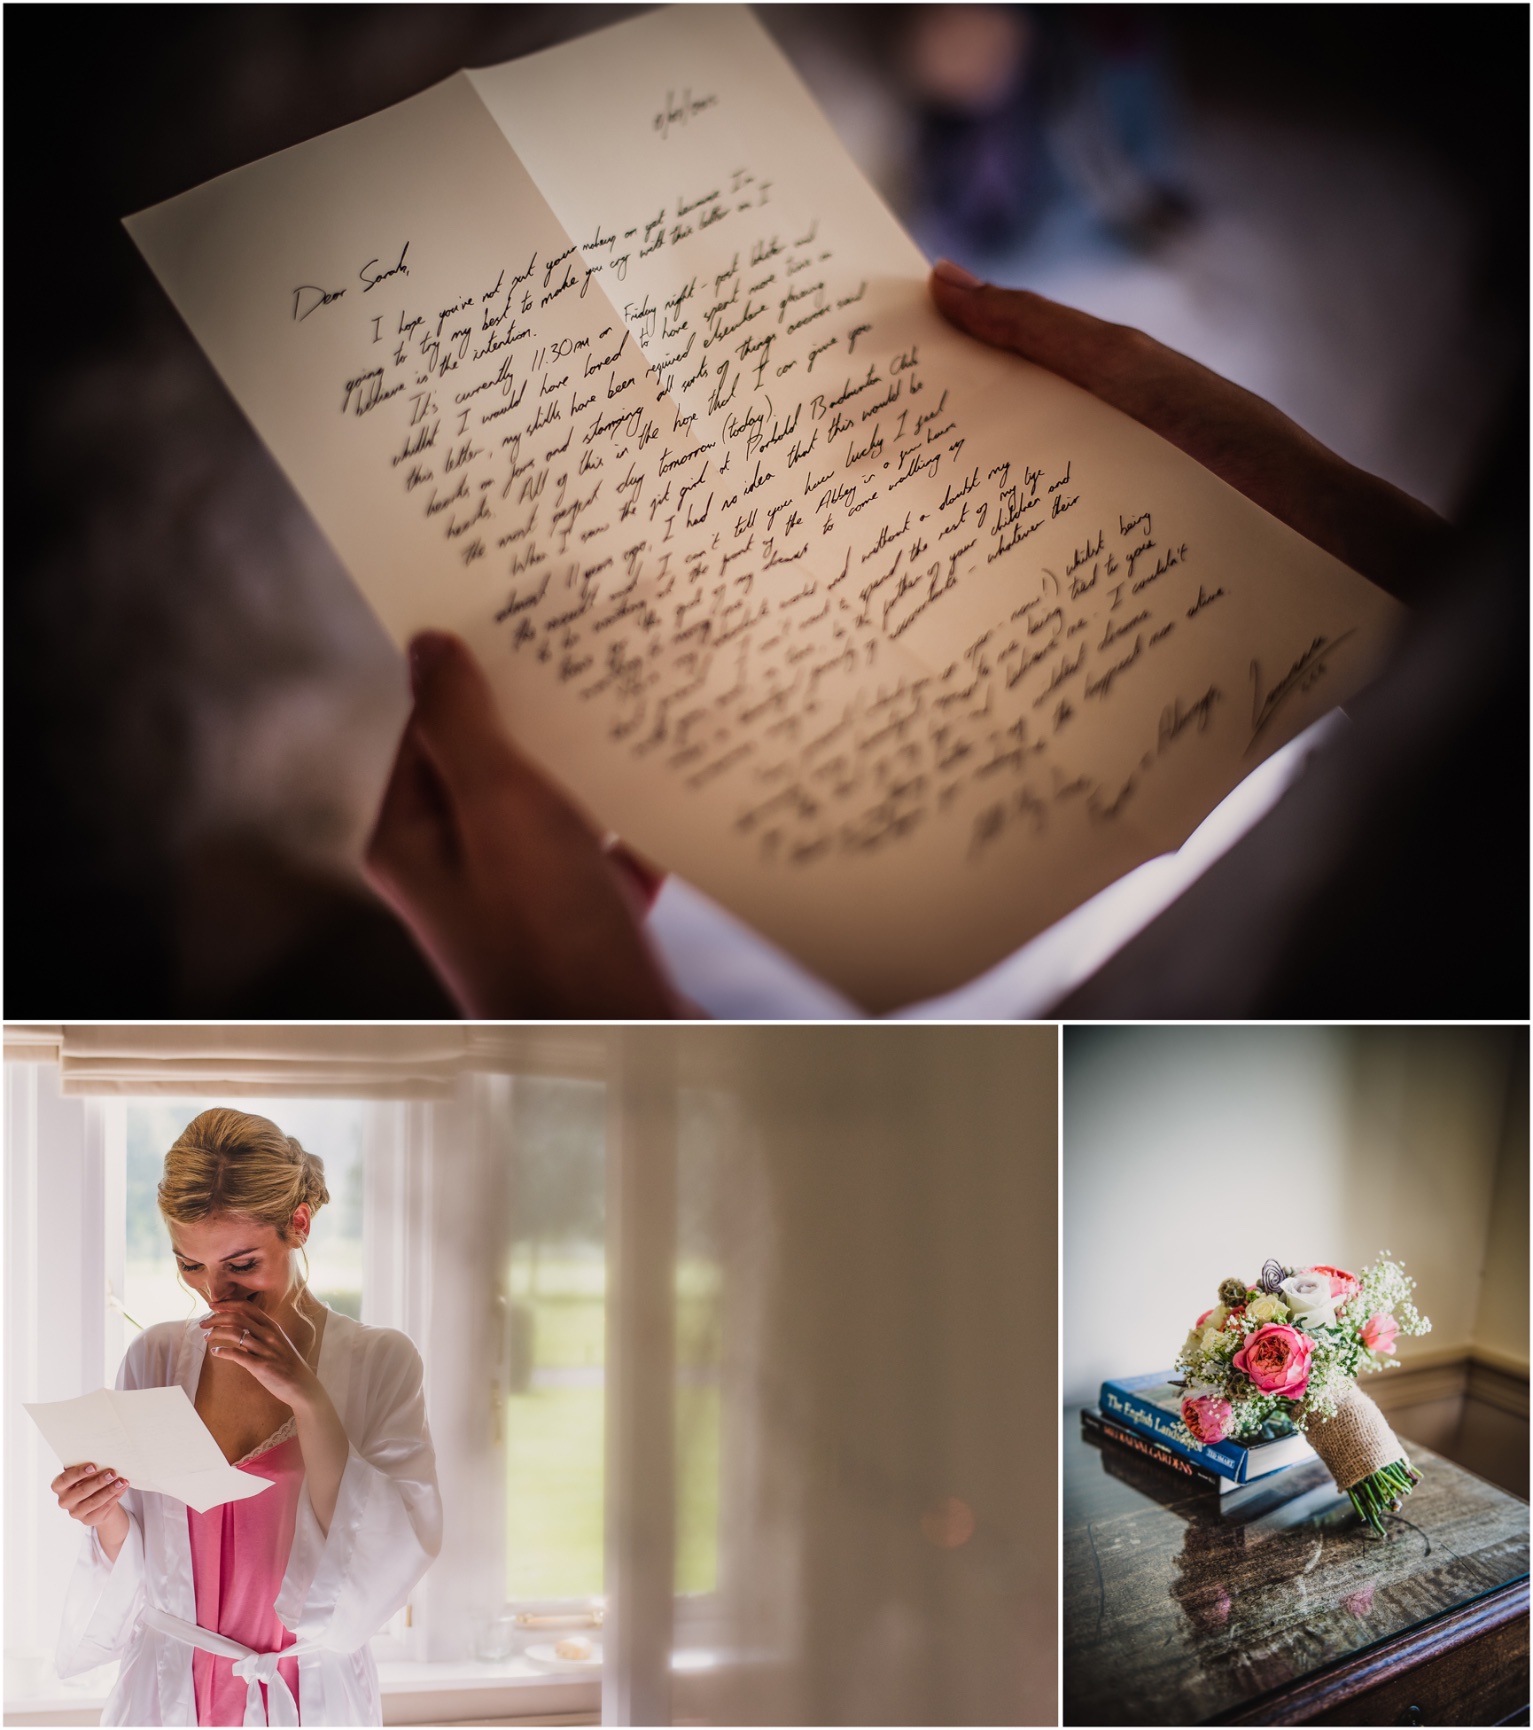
{"x": 470, "y": 1693}
{"x": 464, "y": 1693}
{"x": 56, "y": 1708}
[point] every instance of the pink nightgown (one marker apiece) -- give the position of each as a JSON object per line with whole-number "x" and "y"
{"x": 239, "y": 1555}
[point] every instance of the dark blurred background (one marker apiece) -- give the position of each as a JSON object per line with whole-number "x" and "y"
{"x": 1327, "y": 204}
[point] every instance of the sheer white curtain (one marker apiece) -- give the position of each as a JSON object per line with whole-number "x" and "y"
{"x": 888, "y": 1469}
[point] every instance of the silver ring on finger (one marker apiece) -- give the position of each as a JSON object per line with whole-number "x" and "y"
{"x": 243, "y": 1337}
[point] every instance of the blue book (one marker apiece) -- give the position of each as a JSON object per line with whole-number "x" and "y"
{"x": 1153, "y": 1406}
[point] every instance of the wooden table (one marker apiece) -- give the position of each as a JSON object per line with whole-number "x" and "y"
{"x": 1281, "y": 1607}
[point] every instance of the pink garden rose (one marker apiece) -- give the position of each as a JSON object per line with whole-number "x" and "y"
{"x": 1208, "y": 1417}
{"x": 1379, "y": 1333}
{"x": 1277, "y": 1360}
{"x": 1343, "y": 1285}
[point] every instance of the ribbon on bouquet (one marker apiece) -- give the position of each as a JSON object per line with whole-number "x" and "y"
{"x": 252, "y": 1668}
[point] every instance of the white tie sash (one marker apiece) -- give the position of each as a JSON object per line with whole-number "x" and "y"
{"x": 252, "y": 1668}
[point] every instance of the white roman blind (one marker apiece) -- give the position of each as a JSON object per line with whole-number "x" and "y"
{"x": 378, "y": 1061}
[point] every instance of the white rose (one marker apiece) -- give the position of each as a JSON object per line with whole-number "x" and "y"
{"x": 1269, "y": 1307}
{"x": 1309, "y": 1298}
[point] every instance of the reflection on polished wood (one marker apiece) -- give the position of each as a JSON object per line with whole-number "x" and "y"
{"x": 1276, "y": 1605}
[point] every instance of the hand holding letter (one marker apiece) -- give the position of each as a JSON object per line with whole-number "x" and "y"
{"x": 1365, "y": 522}
{"x": 502, "y": 880}
{"x": 91, "y": 1496}
{"x": 160, "y": 1442}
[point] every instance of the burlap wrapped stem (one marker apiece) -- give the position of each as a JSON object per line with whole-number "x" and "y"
{"x": 1364, "y": 1456}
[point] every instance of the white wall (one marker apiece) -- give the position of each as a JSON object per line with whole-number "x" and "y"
{"x": 1193, "y": 1154}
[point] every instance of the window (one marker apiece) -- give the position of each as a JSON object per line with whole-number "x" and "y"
{"x": 556, "y": 1296}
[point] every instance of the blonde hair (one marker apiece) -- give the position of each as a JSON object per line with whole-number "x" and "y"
{"x": 235, "y": 1162}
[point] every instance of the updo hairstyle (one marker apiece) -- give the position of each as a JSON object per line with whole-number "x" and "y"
{"x": 235, "y": 1162}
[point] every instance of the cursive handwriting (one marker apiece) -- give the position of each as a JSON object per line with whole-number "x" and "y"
{"x": 309, "y": 297}
{"x": 739, "y": 522}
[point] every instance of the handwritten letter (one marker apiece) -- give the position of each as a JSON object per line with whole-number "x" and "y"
{"x": 609, "y": 360}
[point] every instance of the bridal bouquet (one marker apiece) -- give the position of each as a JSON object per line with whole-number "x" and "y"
{"x": 1287, "y": 1351}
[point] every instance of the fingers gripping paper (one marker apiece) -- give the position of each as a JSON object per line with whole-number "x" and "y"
{"x": 609, "y": 360}
{"x": 150, "y": 1436}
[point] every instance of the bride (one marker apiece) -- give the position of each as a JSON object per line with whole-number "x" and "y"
{"x": 258, "y": 1611}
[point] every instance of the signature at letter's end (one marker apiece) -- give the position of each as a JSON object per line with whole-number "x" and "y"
{"x": 1304, "y": 673}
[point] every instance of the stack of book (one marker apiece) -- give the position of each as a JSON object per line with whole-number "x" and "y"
{"x": 1143, "y": 1414}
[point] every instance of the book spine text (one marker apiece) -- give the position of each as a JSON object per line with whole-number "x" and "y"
{"x": 1151, "y": 1420}
{"x": 1121, "y": 1437}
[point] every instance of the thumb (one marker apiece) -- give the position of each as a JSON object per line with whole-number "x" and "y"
{"x": 458, "y": 724}
{"x": 455, "y": 716}
{"x": 459, "y": 730}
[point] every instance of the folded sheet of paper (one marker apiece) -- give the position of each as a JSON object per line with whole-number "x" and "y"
{"x": 611, "y": 361}
{"x": 150, "y": 1436}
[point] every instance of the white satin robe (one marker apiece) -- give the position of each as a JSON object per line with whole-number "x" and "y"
{"x": 338, "y": 1590}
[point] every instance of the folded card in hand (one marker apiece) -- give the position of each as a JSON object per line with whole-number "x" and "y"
{"x": 150, "y": 1436}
